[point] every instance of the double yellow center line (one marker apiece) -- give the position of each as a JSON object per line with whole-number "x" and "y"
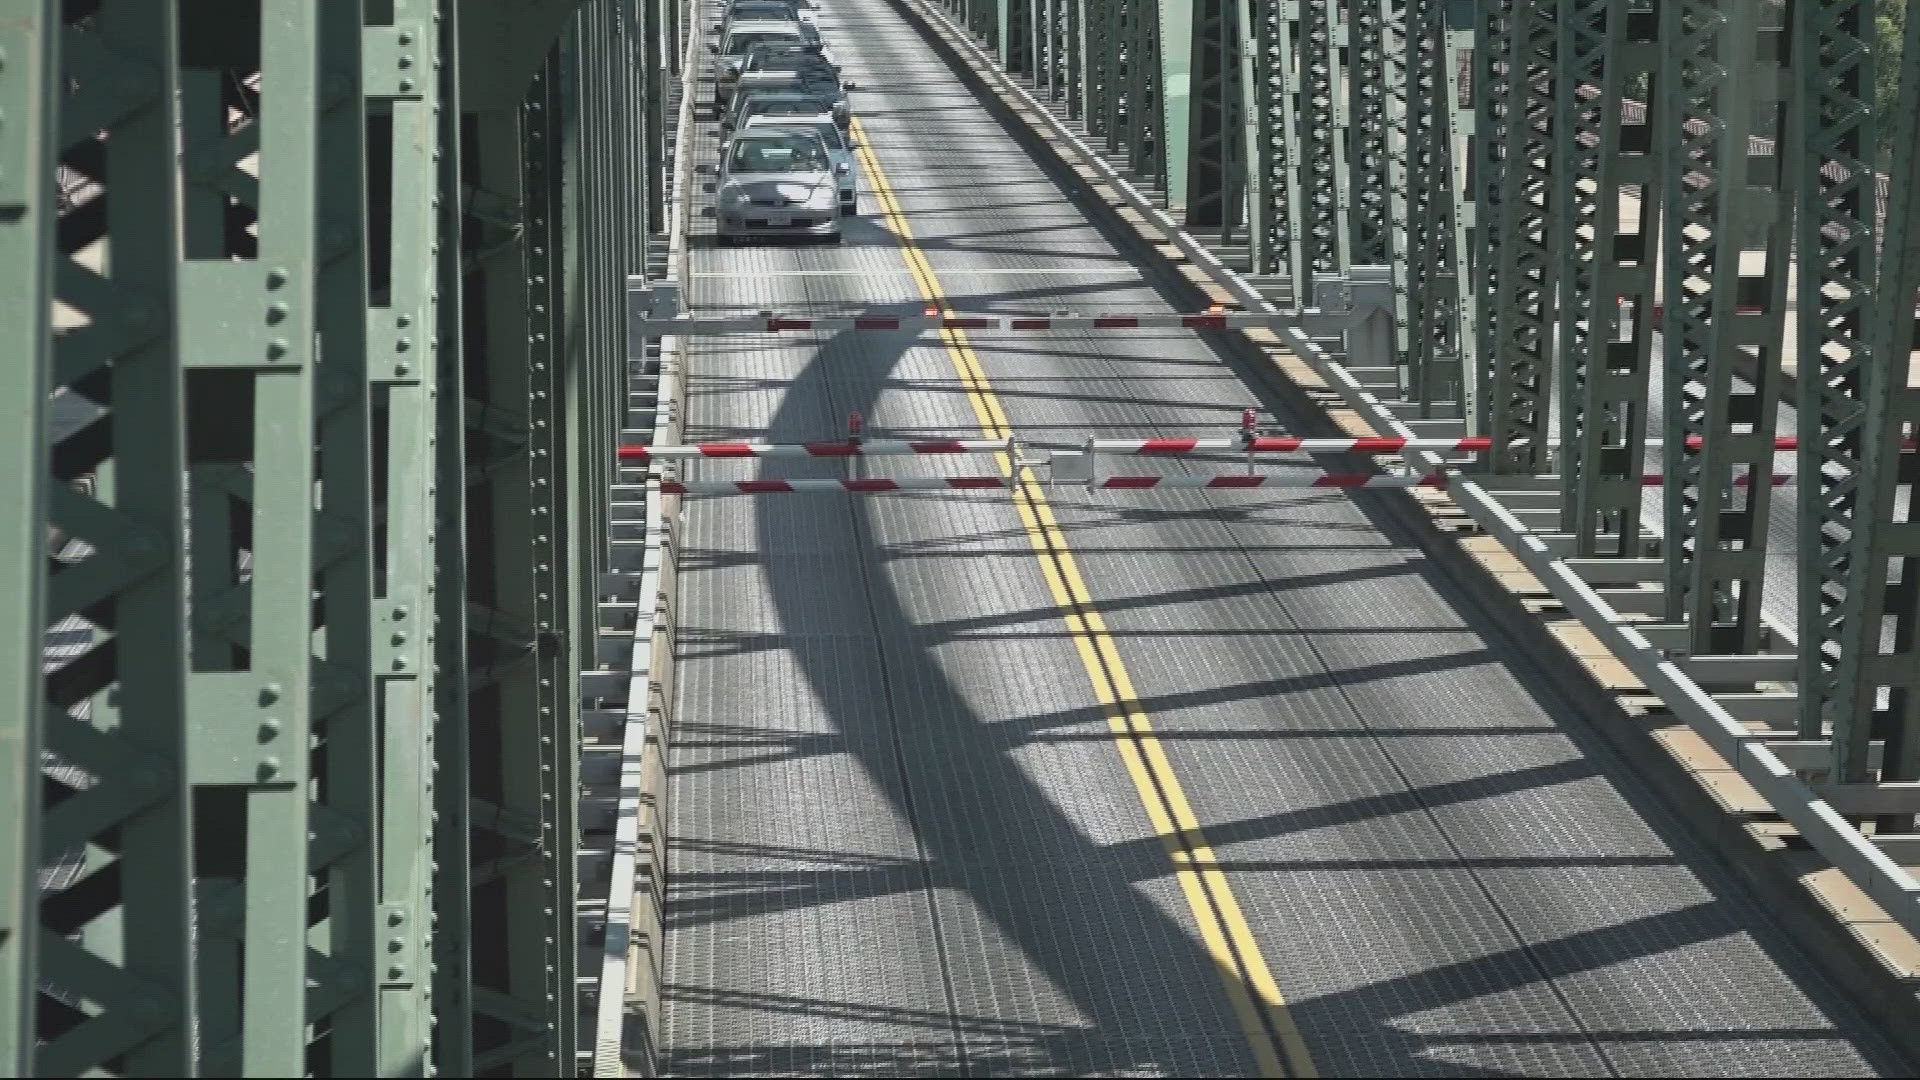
{"x": 1262, "y": 1011}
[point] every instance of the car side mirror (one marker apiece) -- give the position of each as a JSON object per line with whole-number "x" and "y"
{"x": 717, "y": 27}
{"x": 713, "y": 47}
{"x": 844, "y": 169}
{"x": 848, "y": 85}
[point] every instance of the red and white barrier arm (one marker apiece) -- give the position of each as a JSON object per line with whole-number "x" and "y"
{"x": 1110, "y": 483}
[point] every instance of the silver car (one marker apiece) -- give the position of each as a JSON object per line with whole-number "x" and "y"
{"x": 846, "y": 169}
{"x": 732, "y": 50}
{"x": 777, "y": 183}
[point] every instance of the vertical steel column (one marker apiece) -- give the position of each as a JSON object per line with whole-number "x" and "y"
{"x": 248, "y": 336}
{"x": 1492, "y": 90}
{"x": 1726, "y": 240}
{"x": 1272, "y": 215}
{"x": 1397, "y": 51}
{"x": 1435, "y": 306}
{"x": 1073, "y": 56}
{"x": 1102, "y": 22}
{"x": 346, "y": 812}
{"x": 1145, "y": 137}
{"x": 1837, "y": 271}
{"x": 29, "y": 63}
{"x": 452, "y": 969}
{"x": 1367, "y": 240}
{"x": 1879, "y": 643}
{"x": 1216, "y": 192}
{"x": 403, "y": 341}
{"x": 1315, "y": 114}
{"x": 1175, "y": 80}
{"x": 1607, "y": 203}
{"x": 1528, "y": 263}
{"x": 557, "y": 706}
{"x": 115, "y": 981}
{"x": 1014, "y": 27}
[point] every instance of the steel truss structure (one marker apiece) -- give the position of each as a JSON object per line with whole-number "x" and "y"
{"x": 322, "y": 362}
{"x": 1581, "y": 201}
{"x": 314, "y": 413}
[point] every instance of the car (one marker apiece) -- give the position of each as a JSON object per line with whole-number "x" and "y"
{"x": 764, "y": 10}
{"x": 789, "y": 102}
{"x": 846, "y": 170}
{"x": 732, "y": 50}
{"x": 777, "y": 182}
{"x": 767, "y": 58}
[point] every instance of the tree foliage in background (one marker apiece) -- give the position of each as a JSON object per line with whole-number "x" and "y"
{"x": 1891, "y": 20}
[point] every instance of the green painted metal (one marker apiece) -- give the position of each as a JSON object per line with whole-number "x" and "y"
{"x": 1216, "y": 166}
{"x": 1367, "y": 133}
{"x": 29, "y": 63}
{"x": 1175, "y": 80}
{"x": 1271, "y": 215}
{"x": 1438, "y": 315}
{"x": 1492, "y": 92}
{"x": 115, "y": 962}
{"x": 1879, "y": 643}
{"x": 1725, "y": 65}
{"x": 1609, "y": 47}
{"x": 1527, "y": 267}
{"x": 1320, "y": 161}
{"x": 452, "y": 911}
{"x": 346, "y": 808}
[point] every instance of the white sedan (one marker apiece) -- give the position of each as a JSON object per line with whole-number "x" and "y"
{"x": 846, "y": 168}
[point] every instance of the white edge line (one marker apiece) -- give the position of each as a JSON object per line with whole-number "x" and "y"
{"x": 1869, "y": 868}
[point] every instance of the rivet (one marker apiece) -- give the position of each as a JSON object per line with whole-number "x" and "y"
{"x": 406, "y": 86}
{"x": 269, "y": 768}
{"x": 399, "y": 639}
{"x": 276, "y": 277}
{"x": 401, "y": 369}
{"x": 403, "y": 344}
{"x": 399, "y": 663}
{"x": 276, "y": 348}
{"x": 405, "y": 60}
{"x": 403, "y": 321}
{"x": 396, "y": 971}
{"x": 276, "y": 313}
{"x": 406, "y": 37}
{"x": 269, "y": 729}
{"x": 269, "y": 693}
{"x": 400, "y": 612}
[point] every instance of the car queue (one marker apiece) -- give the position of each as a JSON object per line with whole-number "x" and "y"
{"x": 787, "y": 167}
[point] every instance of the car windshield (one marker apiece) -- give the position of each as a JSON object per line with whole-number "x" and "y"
{"x": 744, "y": 12}
{"x": 829, "y": 134}
{"x": 778, "y": 154}
{"x": 738, "y": 43}
{"x": 795, "y": 106}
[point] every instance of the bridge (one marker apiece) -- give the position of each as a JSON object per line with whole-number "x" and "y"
{"x": 1286, "y": 538}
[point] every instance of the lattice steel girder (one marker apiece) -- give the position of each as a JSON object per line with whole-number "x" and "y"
{"x": 343, "y": 696}
{"x": 249, "y": 312}
{"x": 402, "y": 345}
{"x": 1320, "y": 161}
{"x": 1439, "y": 316}
{"x": 1271, "y": 215}
{"x": 1216, "y": 178}
{"x": 1834, "y": 228}
{"x": 1609, "y": 51}
{"x": 553, "y": 491}
{"x": 1176, "y": 30}
{"x": 1397, "y": 48}
{"x": 1725, "y": 243}
{"x": 116, "y": 978}
{"x": 1527, "y": 266}
{"x": 1492, "y": 93}
{"x": 452, "y": 914}
{"x": 29, "y": 62}
{"x": 1367, "y": 133}
{"x": 1879, "y": 640}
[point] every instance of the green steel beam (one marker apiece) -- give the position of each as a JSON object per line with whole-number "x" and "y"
{"x": 1492, "y": 92}
{"x": 1611, "y": 54}
{"x": 1175, "y": 81}
{"x": 116, "y": 982}
{"x": 1438, "y": 314}
{"x": 1367, "y": 134}
{"x": 1317, "y": 120}
{"x": 344, "y": 699}
{"x": 29, "y": 65}
{"x": 1216, "y": 171}
{"x": 1527, "y": 268}
{"x": 1271, "y": 216}
{"x": 1879, "y": 643}
{"x": 452, "y": 965}
{"x": 1726, "y": 234}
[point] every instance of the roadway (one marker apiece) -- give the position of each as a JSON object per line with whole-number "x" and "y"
{"x": 1142, "y": 783}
